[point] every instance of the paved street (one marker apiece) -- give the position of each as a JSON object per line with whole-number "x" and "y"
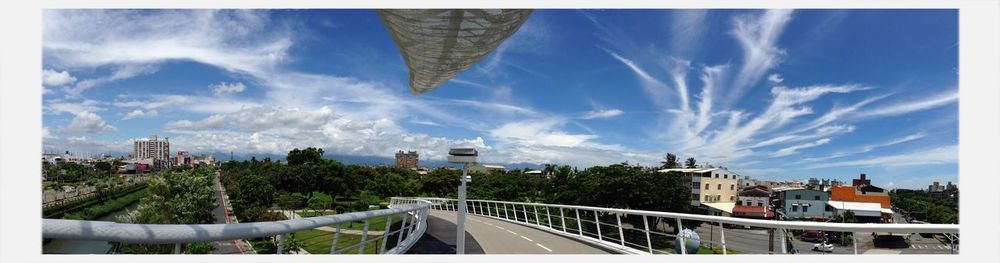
{"x": 222, "y": 217}
{"x": 493, "y": 236}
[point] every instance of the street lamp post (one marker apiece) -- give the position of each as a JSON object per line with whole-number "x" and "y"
{"x": 465, "y": 156}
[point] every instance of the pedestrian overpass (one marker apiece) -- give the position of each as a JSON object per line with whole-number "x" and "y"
{"x": 500, "y": 227}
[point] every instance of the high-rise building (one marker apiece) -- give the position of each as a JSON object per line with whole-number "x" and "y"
{"x": 407, "y": 159}
{"x": 152, "y": 151}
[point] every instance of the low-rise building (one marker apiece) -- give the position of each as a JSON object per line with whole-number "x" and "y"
{"x": 714, "y": 189}
{"x": 803, "y": 203}
{"x": 754, "y": 202}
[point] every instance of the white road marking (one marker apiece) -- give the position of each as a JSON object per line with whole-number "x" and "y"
{"x": 499, "y": 227}
{"x": 526, "y": 238}
{"x": 487, "y": 223}
{"x": 512, "y": 232}
{"x": 540, "y": 245}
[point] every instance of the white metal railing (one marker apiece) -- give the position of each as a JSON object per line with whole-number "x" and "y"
{"x": 413, "y": 214}
{"x": 604, "y": 226}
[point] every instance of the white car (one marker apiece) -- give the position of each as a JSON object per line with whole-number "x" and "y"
{"x": 823, "y": 247}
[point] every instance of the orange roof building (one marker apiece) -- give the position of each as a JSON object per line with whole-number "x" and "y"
{"x": 864, "y": 194}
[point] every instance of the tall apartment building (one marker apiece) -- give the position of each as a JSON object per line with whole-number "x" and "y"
{"x": 407, "y": 159}
{"x": 152, "y": 151}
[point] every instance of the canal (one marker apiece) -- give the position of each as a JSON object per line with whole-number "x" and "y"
{"x": 65, "y": 246}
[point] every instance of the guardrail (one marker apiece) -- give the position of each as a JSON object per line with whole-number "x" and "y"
{"x": 605, "y": 227}
{"x": 412, "y": 211}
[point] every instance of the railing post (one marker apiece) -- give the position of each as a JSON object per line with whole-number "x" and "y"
{"x": 537, "y": 222}
{"x": 548, "y": 216}
{"x": 336, "y": 237}
{"x": 562, "y": 218}
{"x": 524, "y": 209}
{"x": 385, "y": 233}
{"x": 177, "y": 248}
{"x": 364, "y": 237}
{"x": 597, "y": 221}
{"x": 515, "y": 210}
{"x": 402, "y": 227}
{"x": 579, "y": 223}
{"x": 784, "y": 239}
{"x": 680, "y": 236}
{"x": 621, "y": 231}
{"x": 281, "y": 243}
{"x": 722, "y": 236}
{"x": 649, "y": 242}
{"x": 854, "y": 236}
{"x": 489, "y": 211}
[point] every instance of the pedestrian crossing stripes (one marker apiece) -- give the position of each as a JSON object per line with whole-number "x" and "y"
{"x": 929, "y": 246}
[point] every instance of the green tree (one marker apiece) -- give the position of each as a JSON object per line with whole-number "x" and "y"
{"x": 690, "y": 163}
{"x": 669, "y": 161}
{"x": 308, "y": 155}
{"x": 320, "y": 201}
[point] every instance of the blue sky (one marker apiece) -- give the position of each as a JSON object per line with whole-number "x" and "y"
{"x": 773, "y": 94}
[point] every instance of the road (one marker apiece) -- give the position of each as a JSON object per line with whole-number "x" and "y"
{"x": 222, "y": 216}
{"x": 756, "y": 242}
{"x": 492, "y": 236}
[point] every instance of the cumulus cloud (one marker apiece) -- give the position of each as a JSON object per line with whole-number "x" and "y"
{"x": 224, "y": 88}
{"x": 88, "y": 122}
{"x": 140, "y": 114}
{"x": 56, "y": 78}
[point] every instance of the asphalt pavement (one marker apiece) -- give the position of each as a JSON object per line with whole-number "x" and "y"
{"x": 492, "y": 236}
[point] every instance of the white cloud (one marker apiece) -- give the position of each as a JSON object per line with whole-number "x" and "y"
{"x": 867, "y": 148}
{"x": 212, "y": 122}
{"x": 140, "y": 114}
{"x": 223, "y": 88}
{"x": 539, "y": 132}
{"x": 56, "y": 78}
{"x": 687, "y": 28}
{"x": 940, "y": 155}
{"x": 793, "y": 149}
{"x": 88, "y": 122}
{"x": 121, "y": 73}
{"x": 60, "y": 106}
{"x": 758, "y": 37}
{"x": 775, "y": 78}
{"x": 602, "y": 114}
{"x": 911, "y": 106}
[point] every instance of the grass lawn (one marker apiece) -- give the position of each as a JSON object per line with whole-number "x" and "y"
{"x": 717, "y": 250}
{"x": 376, "y": 224}
{"x": 318, "y": 242}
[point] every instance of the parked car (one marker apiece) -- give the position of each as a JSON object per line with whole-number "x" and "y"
{"x": 812, "y": 236}
{"x": 823, "y": 247}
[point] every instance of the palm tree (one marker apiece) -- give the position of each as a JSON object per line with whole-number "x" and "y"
{"x": 670, "y": 161}
{"x": 690, "y": 163}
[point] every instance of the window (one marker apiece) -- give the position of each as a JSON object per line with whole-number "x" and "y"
{"x": 695, "y": 185}
{"x": 759, "y": 203}
{"x": 716, "y": 175}
{"x": 829, "y": 209}
{"x": 805, "y": 209}
{"x": 798, "y": 196}
{"x": 695, "y": 197}
{"x": 731, "y": 198}
{"x": 740, "y": 202}
{"x": 816, "y": 197}
{"x": 795, "y": 208}
{"x": 732, "y": 187}
{"x": 725, "y": 176}
{"x": 719, "y": 187}
{"x": 706, "y": 186}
